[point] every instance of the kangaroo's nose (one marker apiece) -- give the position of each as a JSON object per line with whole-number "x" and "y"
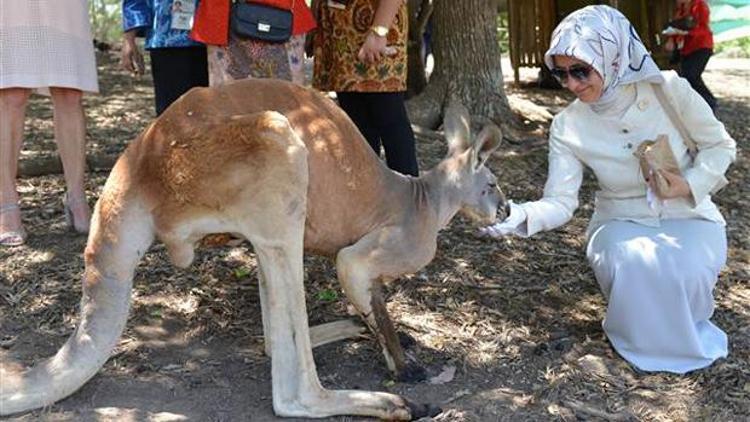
{"x": 506, "y": 208}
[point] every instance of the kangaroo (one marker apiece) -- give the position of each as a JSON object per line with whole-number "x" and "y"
{"x": 283, "y": 167}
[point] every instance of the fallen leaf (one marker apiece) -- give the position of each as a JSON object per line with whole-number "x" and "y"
{"x": 444, "y": 377}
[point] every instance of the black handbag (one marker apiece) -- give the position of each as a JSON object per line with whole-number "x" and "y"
{"x": 261, "y": 22}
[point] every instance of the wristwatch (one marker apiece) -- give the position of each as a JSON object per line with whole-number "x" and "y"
{"x": 379, "y": 30}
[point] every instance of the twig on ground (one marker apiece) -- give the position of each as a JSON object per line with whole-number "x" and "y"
{"x": 583, "y": 408}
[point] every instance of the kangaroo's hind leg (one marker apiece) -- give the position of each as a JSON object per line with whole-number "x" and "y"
{"x": 273, "y": 220}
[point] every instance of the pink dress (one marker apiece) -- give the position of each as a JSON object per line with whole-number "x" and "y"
{"x": 46, "y": 43}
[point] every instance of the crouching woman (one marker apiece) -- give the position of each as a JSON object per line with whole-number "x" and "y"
{"x": 656, "y": 253}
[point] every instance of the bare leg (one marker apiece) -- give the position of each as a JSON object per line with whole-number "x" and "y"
{"x": 12, "y": 113}
{"x": 70, "y": 134}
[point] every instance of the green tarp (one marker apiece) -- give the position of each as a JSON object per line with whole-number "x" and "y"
{"x": 730, "y": 19}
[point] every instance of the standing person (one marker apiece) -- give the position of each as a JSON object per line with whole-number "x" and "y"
{"x": 657, "y": 263}
{"x": 695, "y": 47}
{"x": 360, "y": 52}
{"x": 232, "y": 58}
{"x": 177, "y": 62}
{"x": 45, "y": 45}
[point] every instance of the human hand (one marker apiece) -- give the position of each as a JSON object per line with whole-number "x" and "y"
{"x": 677, "y": 186}
{"x": 131, "y": 58}
{"x": 669, "y": 45}
{"x": 373, "y": 49}
{"x": 516, "y": 218}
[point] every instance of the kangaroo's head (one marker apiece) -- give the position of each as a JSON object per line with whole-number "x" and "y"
{"x": 481, "y": 198}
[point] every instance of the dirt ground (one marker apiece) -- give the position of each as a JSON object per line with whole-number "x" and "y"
{"x": 518, "y": 319}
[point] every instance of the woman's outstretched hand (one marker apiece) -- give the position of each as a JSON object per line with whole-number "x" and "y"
{"x": 516, "y": 218}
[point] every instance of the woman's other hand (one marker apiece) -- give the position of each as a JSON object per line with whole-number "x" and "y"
{"x": 678, "y": 187}
{"x": 373, "y": 48}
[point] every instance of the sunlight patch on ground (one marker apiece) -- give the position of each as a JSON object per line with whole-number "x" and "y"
{"x": 128, "y": 415}
{"x": 737, "y": 298}
{"x": 38, "y": 257}
{"x": 180, "y": 304}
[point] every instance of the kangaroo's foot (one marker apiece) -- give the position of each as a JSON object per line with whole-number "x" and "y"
{"x": 411, "y": 373}
{"x": 322, "y": 403}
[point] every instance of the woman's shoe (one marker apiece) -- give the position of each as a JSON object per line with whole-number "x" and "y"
{"x": 12, "y": 237}
{"x": 80, "y": 227}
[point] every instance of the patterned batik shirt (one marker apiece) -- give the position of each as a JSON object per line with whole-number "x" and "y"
{"x": 341, "y": 33}
{"x": 153, "y": 19}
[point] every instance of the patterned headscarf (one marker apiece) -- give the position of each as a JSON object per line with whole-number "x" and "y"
{"x": 604, "y": 38}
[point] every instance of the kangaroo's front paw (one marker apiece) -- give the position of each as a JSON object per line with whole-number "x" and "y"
{"x": 419, "y": 411}
{"x": 412, "y": 373}
{"x": 406, "y": 340}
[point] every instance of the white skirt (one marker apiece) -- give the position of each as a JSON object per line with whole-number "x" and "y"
{"x": 46, "y": 43}
{"x": 659, "y": 283}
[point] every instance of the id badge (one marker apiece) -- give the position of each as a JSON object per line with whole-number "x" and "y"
{"x": 182, "y": 14}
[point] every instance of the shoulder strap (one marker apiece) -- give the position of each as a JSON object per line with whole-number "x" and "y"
{"x": 676, "y": 120}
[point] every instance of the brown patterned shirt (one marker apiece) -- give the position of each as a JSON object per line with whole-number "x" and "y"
{"x": 340, "y": 35}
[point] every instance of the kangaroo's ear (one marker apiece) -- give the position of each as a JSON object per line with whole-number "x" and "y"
{"x": 487, "y": 142}
{"x": 456, "y": 127}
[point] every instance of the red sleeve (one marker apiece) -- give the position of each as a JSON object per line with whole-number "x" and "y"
{"x": 211, "y": 24}
{"x": 701, "y": 14}
{"x": 304, "y": 21}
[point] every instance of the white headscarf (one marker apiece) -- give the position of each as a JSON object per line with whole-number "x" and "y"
{"x": 603, "y": 37}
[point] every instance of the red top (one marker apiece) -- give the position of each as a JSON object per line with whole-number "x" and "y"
{"x": 700, "y": 36}
{"x": 211, "y": 25}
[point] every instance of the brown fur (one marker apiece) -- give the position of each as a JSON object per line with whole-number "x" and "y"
{"x": 191, "y": 159}
{"x": 283, "y": 167}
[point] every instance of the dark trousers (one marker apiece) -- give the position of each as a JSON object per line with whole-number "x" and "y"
{"x": 175, "y": 70}
{"x": 691, "y": 68}
{"x": 382, "y": 119}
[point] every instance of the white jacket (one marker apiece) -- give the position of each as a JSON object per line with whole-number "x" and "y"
{"x": 579, "y": 137}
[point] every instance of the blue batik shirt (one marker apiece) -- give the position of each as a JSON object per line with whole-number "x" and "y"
{"x": 153, "y": 19}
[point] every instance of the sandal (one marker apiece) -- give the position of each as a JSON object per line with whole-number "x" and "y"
{"x": 69, "y": 219}
{"x": 12, "y": 237}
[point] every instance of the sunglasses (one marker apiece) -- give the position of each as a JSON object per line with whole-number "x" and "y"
{"x": 579, "y": 73}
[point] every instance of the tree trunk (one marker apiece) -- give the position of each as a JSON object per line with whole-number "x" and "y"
{"x": 467, "y": 64}
{"x": 419, "y": 13}
{"x": 93, "y": 15}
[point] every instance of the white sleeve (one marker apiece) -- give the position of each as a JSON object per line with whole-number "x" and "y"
{"x": 560, "y": 200}
{"x": 716, "y": 148}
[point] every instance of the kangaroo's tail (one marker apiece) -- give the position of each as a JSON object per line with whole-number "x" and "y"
{"x": 121, "y": 231}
